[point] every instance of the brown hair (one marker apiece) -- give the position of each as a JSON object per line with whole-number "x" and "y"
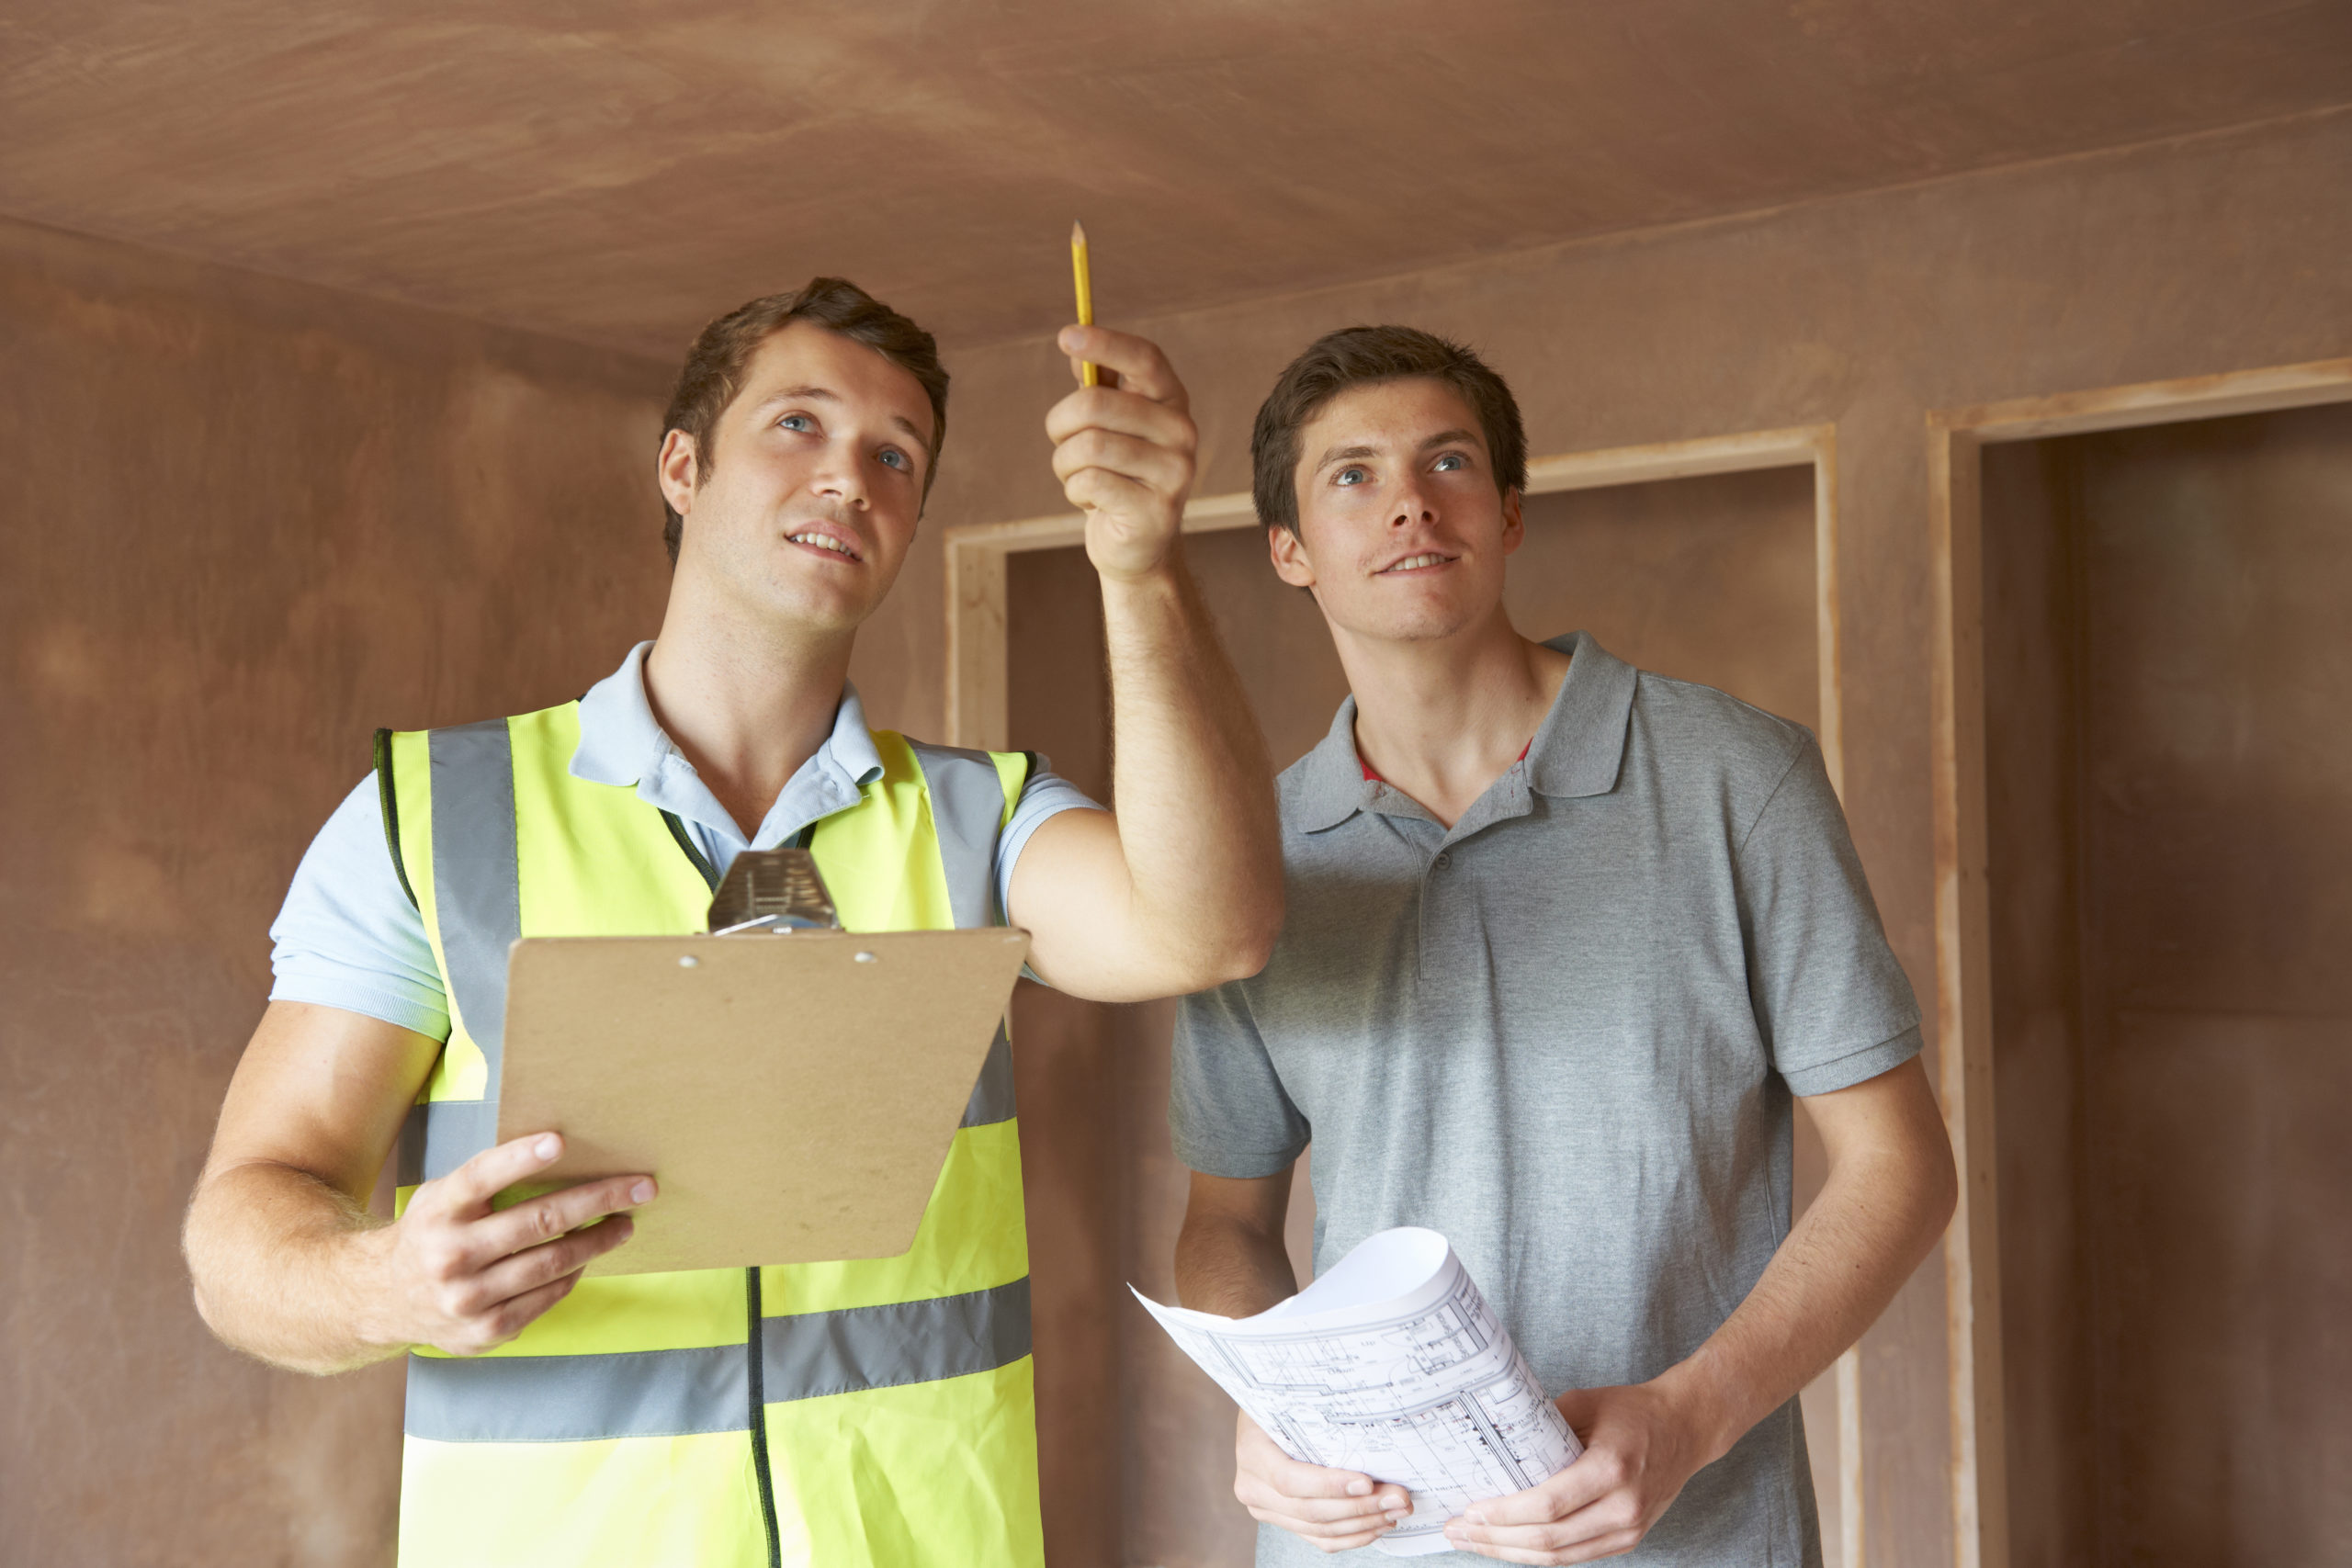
{"x": 1352, "y": 357}
{"x": 722, "y": 351}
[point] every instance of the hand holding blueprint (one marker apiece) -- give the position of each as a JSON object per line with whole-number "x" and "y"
{"x": 1391, "y": 1364}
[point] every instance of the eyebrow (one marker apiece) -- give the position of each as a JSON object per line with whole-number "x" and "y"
{"x": 1353, "y": 453}
{"x": 814, "y": 394}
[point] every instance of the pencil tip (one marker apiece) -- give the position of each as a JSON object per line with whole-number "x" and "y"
{"x": 1077, "y": 233}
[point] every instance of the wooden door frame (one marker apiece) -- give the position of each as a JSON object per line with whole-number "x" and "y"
{"x": 1956, "y": 438}
{"x": 977, "y": 693}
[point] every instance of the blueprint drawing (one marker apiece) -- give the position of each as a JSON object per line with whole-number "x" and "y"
{"x": 1392, "y": 1364}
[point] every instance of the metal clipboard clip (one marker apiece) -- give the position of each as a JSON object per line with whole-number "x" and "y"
{"x": 771, "y": 891}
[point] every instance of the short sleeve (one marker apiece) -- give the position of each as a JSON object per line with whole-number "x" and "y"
{"x": 348, "y": 935}
{"x": 1046, "y": 795}
{"x": 1835, "y": 1007}
{"x": 1227, "y": 1111}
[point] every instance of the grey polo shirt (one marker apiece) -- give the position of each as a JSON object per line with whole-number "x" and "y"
{"x": 1564, "y": 1033}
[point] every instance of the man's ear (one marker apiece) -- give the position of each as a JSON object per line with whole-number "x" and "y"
{"x": 677, "y": 472}
{"x": 1288, "y": 552}
{"x": 1514, "y": 524}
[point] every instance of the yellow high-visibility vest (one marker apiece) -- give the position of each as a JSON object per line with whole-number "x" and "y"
{"x": 837, "y": 1414}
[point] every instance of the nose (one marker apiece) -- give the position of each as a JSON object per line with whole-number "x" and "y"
{"x": 839, "y": 475}
{"x": 1410, "y": 507}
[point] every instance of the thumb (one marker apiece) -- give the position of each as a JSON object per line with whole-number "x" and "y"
{"x": 1580, "y": 1408}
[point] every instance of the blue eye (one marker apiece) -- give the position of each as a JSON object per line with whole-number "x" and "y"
{"x": 897, "y": 460}
{"x": 1449, "y": 461}
{"x": 1350, "y": 476}
{"x": 797, "y": 422}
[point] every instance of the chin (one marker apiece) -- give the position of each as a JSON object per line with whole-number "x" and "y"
{"x": 794, "y": 604}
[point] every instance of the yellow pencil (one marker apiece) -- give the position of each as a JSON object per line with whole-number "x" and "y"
{"x": 1086, "y": 372}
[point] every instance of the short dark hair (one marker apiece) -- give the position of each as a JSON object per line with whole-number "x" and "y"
{"x": 1354, "y": 356}
{"x": 722, "y": 351}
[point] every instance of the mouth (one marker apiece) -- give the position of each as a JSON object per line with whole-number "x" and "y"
{"x": 825, "y": 541}
{"x": 1428, "y": 560}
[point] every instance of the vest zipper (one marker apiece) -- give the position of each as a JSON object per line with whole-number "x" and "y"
{"x": 760, "y": 1420}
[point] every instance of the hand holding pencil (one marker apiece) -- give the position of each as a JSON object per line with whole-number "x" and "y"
{"x": 1124, "y": 441}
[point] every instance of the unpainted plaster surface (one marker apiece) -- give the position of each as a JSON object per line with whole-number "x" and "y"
{"x": 243, "y": 524}
{"x": 619, "y": 173}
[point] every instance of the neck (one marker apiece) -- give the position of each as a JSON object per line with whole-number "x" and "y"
{"x": 1442, "y": 718}
{"x": 746, "y": 702}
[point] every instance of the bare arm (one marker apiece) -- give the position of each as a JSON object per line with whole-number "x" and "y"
{"x": 1181, "y": 887}
{"x": 287, "y": 1263}
{"x": 1230, "y": 1260}
{"x": 1889, "y": 1192}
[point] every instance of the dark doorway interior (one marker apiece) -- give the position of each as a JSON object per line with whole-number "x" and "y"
{"x": 2168, "y": 694}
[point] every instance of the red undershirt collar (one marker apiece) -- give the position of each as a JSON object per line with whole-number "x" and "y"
{"x": 1376, "y": 778}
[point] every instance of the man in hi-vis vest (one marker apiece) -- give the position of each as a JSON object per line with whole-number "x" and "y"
{"x": 835, "y": 1414}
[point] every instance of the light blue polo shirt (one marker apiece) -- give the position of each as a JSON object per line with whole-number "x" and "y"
{"x": 348, "y": 936}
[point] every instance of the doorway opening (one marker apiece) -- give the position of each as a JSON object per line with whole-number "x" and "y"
{"x": 2167, "y": 668}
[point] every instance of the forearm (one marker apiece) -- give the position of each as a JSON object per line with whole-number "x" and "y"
{"x": 285, "y": 1267}
{"x": 1229, "y": 1267}
{"x": 1191, "y": 786}
{"x": 1875, "y": 1218}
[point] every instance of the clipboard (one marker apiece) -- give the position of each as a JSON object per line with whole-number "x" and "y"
{"x": 794, "y": 1094}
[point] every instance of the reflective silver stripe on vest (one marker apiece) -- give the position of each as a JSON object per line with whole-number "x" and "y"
{"x": 477, "y": 890}
{"x": 966, "y": 809}
{"x": 477, "y": 901}
{"x": 651, "y": 1394}
{"x": 442, "y": 1135}
{"x": 991, "y": 1098}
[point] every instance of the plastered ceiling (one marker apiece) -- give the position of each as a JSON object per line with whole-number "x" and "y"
{"x": 615, "y": 174}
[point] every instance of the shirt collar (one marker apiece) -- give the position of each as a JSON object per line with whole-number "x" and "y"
{"x": 1577, "y": 750}
{"x": 621, "y": 742}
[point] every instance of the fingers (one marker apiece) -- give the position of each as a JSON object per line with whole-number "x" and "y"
{"x": 472, "y": 1185}
{"x": 551, "y": 1215}
{"x": 1568, "y": 1541}
{"x": 527, "y": 1271}
{"x": 1138, "y": 362}
{"x": 1333, "y": 1508}
{"x": 1558, "y": 1497}
{"x": 514, "y": 1316}
{"x": 1109, "y": 408}
{"x": 1160, "y": 470}
{"x": 1581, "y": 1514}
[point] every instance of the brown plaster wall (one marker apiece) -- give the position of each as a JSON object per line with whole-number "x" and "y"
{"x": 2172, "y": 887}
{"x": 2210, "y": 255}
{"x": 244, "y": 523}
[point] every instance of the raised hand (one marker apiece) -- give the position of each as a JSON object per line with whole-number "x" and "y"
{"x": 1124, "y": 450}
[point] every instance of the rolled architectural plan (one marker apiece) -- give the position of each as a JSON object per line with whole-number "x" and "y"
{"x": 1391, "y": 1364}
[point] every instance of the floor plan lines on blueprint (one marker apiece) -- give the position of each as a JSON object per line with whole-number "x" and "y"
{"x": 1392, "y": 1364}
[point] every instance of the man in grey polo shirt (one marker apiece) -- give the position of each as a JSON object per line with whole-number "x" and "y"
{"x": 1564, "y": 939}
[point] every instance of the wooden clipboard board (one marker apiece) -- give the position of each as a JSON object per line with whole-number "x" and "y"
{"x": 794, "y": 1095}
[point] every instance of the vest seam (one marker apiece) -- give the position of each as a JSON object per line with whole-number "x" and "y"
{"x": 389, "y": 797}
{"x": 701, "y": 863}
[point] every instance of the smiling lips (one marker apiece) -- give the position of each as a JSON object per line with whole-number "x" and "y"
{"x": 1414, "y": 563}
{"x": 822, "y": 541}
